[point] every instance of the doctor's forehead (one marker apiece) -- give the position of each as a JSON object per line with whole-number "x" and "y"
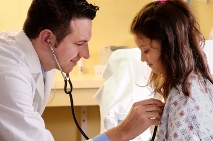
{"x": 81, "y": 29}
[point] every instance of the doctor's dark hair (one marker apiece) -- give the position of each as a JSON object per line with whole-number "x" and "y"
{"x": 173, "y": 25}
{"x": 56, "y": 16}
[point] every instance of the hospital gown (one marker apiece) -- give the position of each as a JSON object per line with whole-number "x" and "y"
{"x": 188, "y": 118}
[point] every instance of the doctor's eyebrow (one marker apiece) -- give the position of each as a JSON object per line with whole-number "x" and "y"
{"x": 82, "y": 41}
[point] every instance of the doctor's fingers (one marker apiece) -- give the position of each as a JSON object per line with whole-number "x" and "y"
{"x": 149, "y": 102}
{"x": 149, "y": 108}
{"x": 152, "y": 115}
{"x": 147, "y": 112}
{"x": 155, "y": 122}
{"x": 142, "y": 110}
{"x": 151, "y": 118}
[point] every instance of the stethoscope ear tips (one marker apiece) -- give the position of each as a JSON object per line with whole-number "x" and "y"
{"x": 48, "y": 41}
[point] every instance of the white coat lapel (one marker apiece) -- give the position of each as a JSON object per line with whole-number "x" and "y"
{"x": 33, "y": 62}
{"x": 40, "y": 98}
{"x": 39, "y": 92}
{"x": 48, "y": 85}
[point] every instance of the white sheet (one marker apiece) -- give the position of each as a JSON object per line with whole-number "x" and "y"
{"x": 122, "y": 72}
{"x": 208, "y": 49}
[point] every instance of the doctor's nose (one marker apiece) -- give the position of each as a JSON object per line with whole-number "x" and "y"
{"x": 84, "y": 51}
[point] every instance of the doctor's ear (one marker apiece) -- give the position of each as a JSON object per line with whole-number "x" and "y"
{"x": 47, "y": 38}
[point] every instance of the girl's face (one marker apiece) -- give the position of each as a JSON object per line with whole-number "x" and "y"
{"x": 150, "y": 53}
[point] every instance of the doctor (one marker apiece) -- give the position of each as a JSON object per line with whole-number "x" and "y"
{"x": 27, "y": 71}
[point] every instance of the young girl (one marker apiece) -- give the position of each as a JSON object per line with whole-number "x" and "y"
{"x": 170, "y": 41}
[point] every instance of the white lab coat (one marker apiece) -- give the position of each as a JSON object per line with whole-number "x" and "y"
{"x": 22, "y": 96}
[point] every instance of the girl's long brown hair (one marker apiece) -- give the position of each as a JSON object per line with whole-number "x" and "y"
{"x": 175, "y": 27}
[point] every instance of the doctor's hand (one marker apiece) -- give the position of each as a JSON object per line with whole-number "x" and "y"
{"x": 142, "y": 115}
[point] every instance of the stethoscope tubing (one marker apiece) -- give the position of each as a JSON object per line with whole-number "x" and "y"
{"x": 72, "y": 104}
{"x": 154, "y": 133}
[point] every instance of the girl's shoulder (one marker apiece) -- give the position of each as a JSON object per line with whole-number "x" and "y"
{"x": 199, "y": 92}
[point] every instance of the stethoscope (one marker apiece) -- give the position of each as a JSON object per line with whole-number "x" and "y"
{"x": 69, "y": 92}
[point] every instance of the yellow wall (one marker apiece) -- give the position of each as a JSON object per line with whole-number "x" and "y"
{"x": 204, "y": 13}
{"x": 60, "y": 122}
{"x": 13, "y": 13}
{"x": 110, "y": 27}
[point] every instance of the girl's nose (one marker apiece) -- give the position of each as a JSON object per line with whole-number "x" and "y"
{"x": 142, "y": 57}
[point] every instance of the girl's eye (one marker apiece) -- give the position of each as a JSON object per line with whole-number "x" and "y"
{"x": 146, "y": 51}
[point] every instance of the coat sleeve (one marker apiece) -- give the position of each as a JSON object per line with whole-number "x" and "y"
{"x": 19, "y": 120}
